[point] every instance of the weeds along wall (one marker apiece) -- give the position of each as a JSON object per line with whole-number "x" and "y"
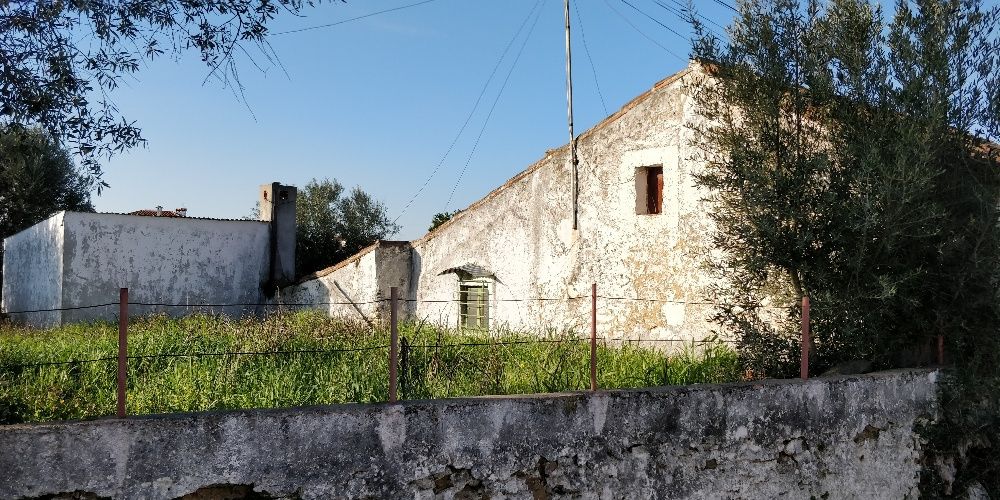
{"x": 520, "y": 239}
{"x": 843, "y": 437}
{"x": 73, "y": 261}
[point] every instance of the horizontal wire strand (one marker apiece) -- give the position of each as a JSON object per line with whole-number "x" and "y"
{"x": 386, "y": 300}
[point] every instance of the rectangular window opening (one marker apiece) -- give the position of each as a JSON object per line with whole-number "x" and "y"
{"x": 649, "y": 190}
{"x": 474, "y": 305}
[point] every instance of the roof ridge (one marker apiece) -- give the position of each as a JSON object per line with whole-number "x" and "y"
{"x": 517, "y": 177}
{"x": 635, "y": 101}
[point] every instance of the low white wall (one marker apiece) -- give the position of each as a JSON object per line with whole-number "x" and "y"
{"x": 177, "y": 261}
{"x": 32, "y": 272}
{"x": 348, "y": 290}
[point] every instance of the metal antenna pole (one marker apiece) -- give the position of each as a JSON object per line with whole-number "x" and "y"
{"x": 569, "y": 105}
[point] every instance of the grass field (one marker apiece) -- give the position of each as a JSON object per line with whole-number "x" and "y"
{"x": 207, "y": 362}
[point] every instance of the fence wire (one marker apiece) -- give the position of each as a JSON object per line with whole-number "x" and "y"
{"x": 455, "y": 363}
{"x": 385, "y": 301}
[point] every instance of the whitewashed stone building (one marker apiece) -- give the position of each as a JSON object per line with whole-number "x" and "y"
{"x": 64, "y": 268}
{"x": 513, "y": 258}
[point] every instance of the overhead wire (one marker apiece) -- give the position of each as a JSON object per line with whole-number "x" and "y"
{"x": 472, "y": 111}
{"x": 727, "y": 5}
{"x": 684, "y": 8}
{"x": 489, "y": 115}
{"x": 343, "y": 21}
{"x": 689, "y": 16}
{"x": 655, "y": 20}
{"x": 586, "y": 49}
{"x": 639, "y": 31}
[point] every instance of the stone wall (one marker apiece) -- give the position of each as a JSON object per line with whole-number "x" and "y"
{"x": 843, "y": 437}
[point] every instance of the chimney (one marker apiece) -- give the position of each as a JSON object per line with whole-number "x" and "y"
{"x": 277, "y": 206}
{"x": 181, "y": 212}
{"x": 159, "y": 210}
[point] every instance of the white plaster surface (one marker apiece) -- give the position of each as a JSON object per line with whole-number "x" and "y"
{"x": 76, "y": 260}
{"x": 358, "y": 288}
{"x": 522, "y": 232}
{"x": 32, "y": 272}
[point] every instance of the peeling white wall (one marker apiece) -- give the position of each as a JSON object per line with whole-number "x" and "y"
{"x": 32, "y": 272}
{"x": 523, "y": 233}
{"x": 650, "y": 270}
{"x": 162, "y": 260}
{"x": 82, "y": 259}
{"x": 359, "y": 287}
{"x": 348, "y": 290}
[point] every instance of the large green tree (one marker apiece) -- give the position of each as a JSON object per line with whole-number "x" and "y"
{"x": 60, "y": 59}
{"x": 37, "y": 178}
{"x": 332, "y": 224}
{"x": 440, "y": 218}
{"x": 849, "y": 158}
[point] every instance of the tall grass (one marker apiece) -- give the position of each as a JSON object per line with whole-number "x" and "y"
{"x": 204, "y": 362}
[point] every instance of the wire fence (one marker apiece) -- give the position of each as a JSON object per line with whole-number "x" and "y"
{"x": 278, "y": 304}
{"x": 392, "y": 361}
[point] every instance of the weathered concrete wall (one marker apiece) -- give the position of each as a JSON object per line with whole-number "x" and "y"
{"x": 32, "y": 272}
{"x": 82, "y": 259}
{"x": 356, "y": 288}
{"x": 523, "y": 233}
{"x": 277, "y": 205}
{"x": 162, "y": 260}
{"x": 849, "y": 437}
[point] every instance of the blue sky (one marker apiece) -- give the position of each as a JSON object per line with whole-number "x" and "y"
{"x": 376, "y": 103}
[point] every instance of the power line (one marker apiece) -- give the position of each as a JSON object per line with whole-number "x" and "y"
{"x": 472, "y": 112}
{"x": 683, "y": 8}
{"x": 655, "y": 20}
{"x": 492, "y": 108}
{"x": 727, "y": 5}
{"x": 647, "y": 37}
{"x": 672, "y": 10}
{"x": 370, "y": 14}
{"x": 689, "y": 16}
{"x": 593, "y": 69}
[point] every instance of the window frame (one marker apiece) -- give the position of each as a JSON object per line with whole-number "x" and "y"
{"x": 479, "y": 319}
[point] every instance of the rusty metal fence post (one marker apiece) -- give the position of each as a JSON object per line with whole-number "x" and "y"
{"x": 393, "y": 341}
{"x": 593, "y": 336}
{"x": 804, "y": 368}
{"x": 122, "y": 348}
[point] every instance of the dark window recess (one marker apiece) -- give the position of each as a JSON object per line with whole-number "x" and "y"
{"x": 474, "y": 305}
{"x": 654, "y": 189}
{"x": 649, "y": 190}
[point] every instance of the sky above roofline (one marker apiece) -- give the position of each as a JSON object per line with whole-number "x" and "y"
{"x": 377, "y": 103}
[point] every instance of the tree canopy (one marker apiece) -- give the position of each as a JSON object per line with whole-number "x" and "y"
{"x": 332, "y": 224}
{"x": 850, "y": 159}
{"x": 440, "y": 218}
{"x": 37, "y": 179}
{"x": 59, "y": 59}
